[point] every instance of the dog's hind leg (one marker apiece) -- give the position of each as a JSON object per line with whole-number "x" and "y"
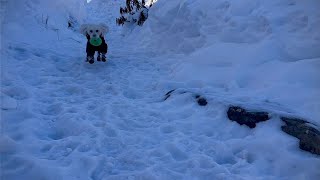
{"x": 103, "y": 57}
{"x": 99, "y": 56}
{"x": 103, "y": 49}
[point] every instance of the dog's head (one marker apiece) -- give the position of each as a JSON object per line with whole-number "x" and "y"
{"x": 94, "y": 30}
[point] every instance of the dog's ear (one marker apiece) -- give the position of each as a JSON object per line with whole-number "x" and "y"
{"x": 83, "y": 29}
{"x": 104, "y": 28}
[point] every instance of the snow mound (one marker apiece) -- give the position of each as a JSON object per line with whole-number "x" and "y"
{"x": 185, "y": 26}
{"x": 41, "y": 23}
{"x": 265, "y": 50}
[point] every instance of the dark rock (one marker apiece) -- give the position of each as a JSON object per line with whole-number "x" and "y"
{"x": 202, "y": 101}
{"x": 294, "y": 127}
{"x": 242, "y": 116}
{"x": 309, "y": 136}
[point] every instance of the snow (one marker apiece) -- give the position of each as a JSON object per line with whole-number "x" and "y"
{"x": 62, "y": 118}
{"x": 252, "y": 49}
{"x": 7, "y": 102}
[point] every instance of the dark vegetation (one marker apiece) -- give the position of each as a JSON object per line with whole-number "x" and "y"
{"x": 135, "y": 12}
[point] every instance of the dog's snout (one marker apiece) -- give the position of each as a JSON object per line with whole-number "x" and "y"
{"x": 94, "y": 35}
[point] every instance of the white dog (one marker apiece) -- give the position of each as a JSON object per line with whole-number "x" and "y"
{"x": 96, "y": 41}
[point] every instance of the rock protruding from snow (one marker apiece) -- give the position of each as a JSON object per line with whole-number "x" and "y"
{"x": 242, "y": 116}
{"x": 201, "y": 100}
{"x": 309, "y": 136}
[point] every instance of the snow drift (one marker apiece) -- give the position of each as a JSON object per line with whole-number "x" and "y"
{"x": 263, "y": 49}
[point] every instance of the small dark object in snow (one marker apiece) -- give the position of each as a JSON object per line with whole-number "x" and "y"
{"x": 309, "y": 136}
{"x": 202, "y": 101}
{"x": 91, "y": 61}
{"x": 73, "y": 23}
{"x": 168, "y": 94}
{"x": 250, "y": 119}
{"x": 70, "y": 24}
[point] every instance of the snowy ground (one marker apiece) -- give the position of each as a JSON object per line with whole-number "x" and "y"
{"x": 62, "y": 118}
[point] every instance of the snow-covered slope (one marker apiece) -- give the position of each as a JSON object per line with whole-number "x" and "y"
{"x": 267, "y": 51}
{"x": 188, "y": 25}
{"x": 62, "y": 118}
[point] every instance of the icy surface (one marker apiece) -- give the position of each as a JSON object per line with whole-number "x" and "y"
{"x": 66, "y": 119}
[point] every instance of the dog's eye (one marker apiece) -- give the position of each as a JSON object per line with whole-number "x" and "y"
{"x": 91, "y": 31}
{"x": 97, "y": 30}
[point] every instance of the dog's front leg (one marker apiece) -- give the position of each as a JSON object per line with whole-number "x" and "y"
{"x": 90, "y": 59}
{"x": 90, "y": 53}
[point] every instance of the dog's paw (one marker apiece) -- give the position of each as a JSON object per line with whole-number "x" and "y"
{"x": 104, "y": 59}
{"x": 90, "y": 59}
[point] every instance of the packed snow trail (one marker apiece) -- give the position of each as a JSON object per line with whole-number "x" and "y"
{"x": 110, "y": 121}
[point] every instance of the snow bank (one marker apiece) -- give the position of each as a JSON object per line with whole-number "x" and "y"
{"x": 184, "y": 26}
{"x": 265, "y": 50}
{"x": 33, "y": 33}
{"x": 40, "y": 23}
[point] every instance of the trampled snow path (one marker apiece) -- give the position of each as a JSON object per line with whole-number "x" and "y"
{"x": 110, "y": 121}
